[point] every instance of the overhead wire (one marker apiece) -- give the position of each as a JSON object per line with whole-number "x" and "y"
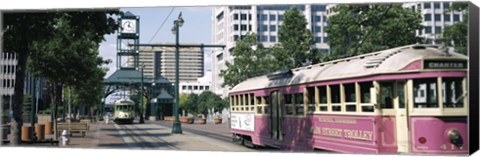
{"x": 163, "y": 23}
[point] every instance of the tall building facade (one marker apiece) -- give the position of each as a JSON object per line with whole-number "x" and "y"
{"x": 229, "y": 23}
{"x": 160, "y": 61}
{"x": 435, "y": 17}
{"x": 8, "y": 63}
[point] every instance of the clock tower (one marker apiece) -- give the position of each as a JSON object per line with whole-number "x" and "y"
{"x": 127, "y": 56}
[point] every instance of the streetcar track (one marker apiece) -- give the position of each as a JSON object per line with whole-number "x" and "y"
{"x": 205, "y": 133}
{"x": 140, "y": 140}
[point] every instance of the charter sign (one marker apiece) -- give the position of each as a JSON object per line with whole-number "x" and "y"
{"x": 243, "y": 121}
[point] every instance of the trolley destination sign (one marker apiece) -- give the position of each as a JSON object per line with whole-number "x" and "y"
{"x": 440, "y": 64}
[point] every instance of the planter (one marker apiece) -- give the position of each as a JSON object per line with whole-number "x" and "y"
{"x": 49, "y": 128}
{"x": 217, "y": 120}
{"x": 202, "y": 121}
{"x": 168, "y": 118}
{"x": 188, "y": 120}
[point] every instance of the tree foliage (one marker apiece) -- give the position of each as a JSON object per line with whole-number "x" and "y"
{"x": 295, "y": 40}
{"x": 456, "y": 34}
{"x": 248, "y": 62}
{"x": 358, "y": 29}
{"x": 62, "y": 46}
{"x": 21, "y": 30}
{"x": 208, "y": 100}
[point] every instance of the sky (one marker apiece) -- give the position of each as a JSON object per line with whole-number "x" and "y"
{"x": 196, "y": 29}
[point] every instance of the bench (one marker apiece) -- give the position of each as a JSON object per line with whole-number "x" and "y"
{"x": 72, "y": 127}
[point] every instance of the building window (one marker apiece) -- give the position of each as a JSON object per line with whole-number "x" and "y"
{"x": 428, "y": 29}
{"x": 195, "y": 87}
{"x": 325, "y": 39}
{"x": 318, "y": 8}
{"x": 324, "y": 18}
{"x": 220, "y": 16}
{"x": 201, "y": 87}
{"x": 262, "y": 28}
{"x": 446, "y": 17}
{"x": 250, "y": 27}
{"x": 235, "y": 37}
{"x": 436, "y": 5}
{"x": 263, "y": 17}
{"x": 263, "y": 38}
{"x": 235, "y": 27}
{"x": 456, "y": 17}
{"x": 446, "y": 5}
{"x": 273, "y": 28}
{"x": 207, "y": 87}
{"x": 280, "y": 17}
{"x": 249, "y": 16}
{"x": 427, "y": 17}
{"x": 427, "y": 5}
{"x": 243, "y": 16}
{"x": 243, "y": 27}
{"x": 437, "y": 17}
{"x": 438, "y": 41}
{"x": 316, "y": 18}
{"x": 272, "y": 18}
{"x": 273, "y": 38}
{"x": 235, "y": 16}
{"x": 184, "y": 87}
{"x": 318, "y": 39}
{"x": 429, "y": 41}
{"x": 317, "y": 29}
{"x": 438, "y": 29}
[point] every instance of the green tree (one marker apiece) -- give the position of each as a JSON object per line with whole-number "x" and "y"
{"x": 456, "y": 34}
{"x": 64, "y": 50}
{"x": 295, "y": 41}
{"x": 21, "y": 31}
{"x": 358, "y": 29}
{"x": 208, "y": 100}
{"x": 248, "y": 62}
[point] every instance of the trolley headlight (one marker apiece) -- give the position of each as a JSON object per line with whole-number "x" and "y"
{"x": 455, "y": 137}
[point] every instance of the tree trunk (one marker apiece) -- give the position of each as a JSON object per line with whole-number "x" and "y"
{"x": 69, "y": 104}
{"x": 57, "y": 100}
{"x": 17, "y": 120}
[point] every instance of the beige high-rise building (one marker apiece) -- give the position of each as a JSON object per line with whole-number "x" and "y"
{"x": 160, "y": 61}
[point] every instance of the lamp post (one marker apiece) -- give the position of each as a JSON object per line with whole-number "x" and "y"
{"x": 142, "y": 119}
{"x": 177, "y": 128}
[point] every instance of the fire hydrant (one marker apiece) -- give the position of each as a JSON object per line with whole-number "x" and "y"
{"x": 65, "y": 138}
{"x": 106, "y": 119}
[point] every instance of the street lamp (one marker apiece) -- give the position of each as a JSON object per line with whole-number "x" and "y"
{"x": 142, "y": 119}
{"x": 177, "y": 128}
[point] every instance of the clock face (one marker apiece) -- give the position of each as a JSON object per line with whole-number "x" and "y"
{"x": 129, "y": 26}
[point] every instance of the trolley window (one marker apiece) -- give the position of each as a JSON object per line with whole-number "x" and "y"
{"x": 452, "y": 91}
{"x": 386, "y": 95}
{"x": 335, "y": 97}
{"x": 365, "y": 92}
{"x": 259, "y": 105}
{"x": 299, "y": 109}
{"x": 323, "y": 98}
{"x": 350, "y": 97}
{"x": 425, "y": 93}
{"x": 289, "y": 104}
{"x": 311, "y": 99}
{"x": 401, "y": 94}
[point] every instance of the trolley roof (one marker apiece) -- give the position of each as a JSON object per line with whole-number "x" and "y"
{"x": 124, "y": 101}
{"x": 386, "y": 61}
